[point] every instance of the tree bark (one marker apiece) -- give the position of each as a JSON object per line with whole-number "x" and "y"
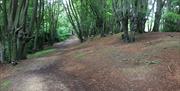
{"x": 125, "y": 29}
{"x": 158, "y": 13}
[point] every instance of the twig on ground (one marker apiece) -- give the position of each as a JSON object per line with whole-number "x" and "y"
{"x": 169, "y": 68}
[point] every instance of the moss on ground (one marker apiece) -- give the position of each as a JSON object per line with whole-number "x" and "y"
{"x": 6, "y": 84}
{"x": 42, "y": 53}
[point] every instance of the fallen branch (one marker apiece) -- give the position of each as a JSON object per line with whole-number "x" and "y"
{"x": 169, "y": 68}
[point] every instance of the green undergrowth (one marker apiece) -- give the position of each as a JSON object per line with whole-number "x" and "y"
{"x": 41, "y": 53}
{"x": 6, "y": 84}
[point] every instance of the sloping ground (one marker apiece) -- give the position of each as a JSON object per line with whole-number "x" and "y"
{"x": 152, "y": 63}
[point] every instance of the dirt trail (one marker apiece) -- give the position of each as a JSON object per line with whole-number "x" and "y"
{"x": 40, "y": 74}
{"x": 152, "y": 63}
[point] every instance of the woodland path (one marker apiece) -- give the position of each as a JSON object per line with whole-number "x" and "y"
{"x": 41, "y": 74}
{"x": 152, "y": 63}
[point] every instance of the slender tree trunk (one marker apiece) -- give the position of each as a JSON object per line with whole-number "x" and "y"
{"x": 125, "y": 29}
{"x": 158, "y": 13}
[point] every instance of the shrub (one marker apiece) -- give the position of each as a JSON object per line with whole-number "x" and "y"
{"x": 171, "y": 22}
{"x": 63, "y": 33}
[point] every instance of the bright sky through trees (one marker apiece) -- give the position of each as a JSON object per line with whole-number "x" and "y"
{"x": 64, "y": 1}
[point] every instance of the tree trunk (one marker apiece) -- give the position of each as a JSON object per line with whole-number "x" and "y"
{"x": 125, "y": 29}
{"x": 158, "y": 13}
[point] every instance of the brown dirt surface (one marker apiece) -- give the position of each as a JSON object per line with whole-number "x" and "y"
{"x": 152, "y": 63}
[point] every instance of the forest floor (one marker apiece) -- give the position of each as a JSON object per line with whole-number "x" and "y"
{"x": 152, "y": 63}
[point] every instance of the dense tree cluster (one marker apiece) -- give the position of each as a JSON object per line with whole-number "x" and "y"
{"x": 102, "y": 17}
{"x": 27, "y": 25}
